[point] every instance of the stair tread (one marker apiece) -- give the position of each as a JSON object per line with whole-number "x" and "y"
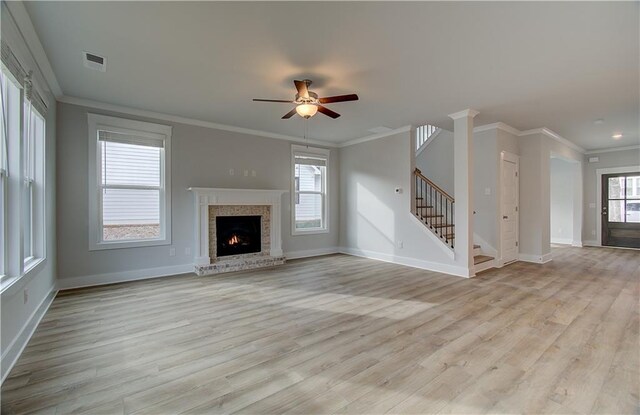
{"x": 432, "y": 216}
{"x": 476, "y": 246}
{"x": 449, "y": 236}
{"x": 439, "y": 225}
{"x": 479, "y": 259}
{"x": 423, "y": 207}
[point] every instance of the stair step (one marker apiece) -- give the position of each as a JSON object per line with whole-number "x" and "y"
{"x": 432, "y": 216}
{"x": 479, "y": 259}
{"x": 424, "y": 207}
{"x": 443, "y": 226}
{"x": 449, "y": 236}
{"x": 476, "y": 246}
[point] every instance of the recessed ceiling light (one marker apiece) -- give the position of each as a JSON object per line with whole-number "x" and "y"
{"x": 616, "y": 136}
{"x": 598, "y": 121}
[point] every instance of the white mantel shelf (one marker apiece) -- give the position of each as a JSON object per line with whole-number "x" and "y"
{"x": 207, "y": 196}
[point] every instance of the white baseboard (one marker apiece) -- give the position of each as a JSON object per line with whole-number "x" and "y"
{"x": 312, "y": 252}
{"x": 591, "y": 243}
{"x": 410, "y": 262}
{"x": 562, "y": 241}
{"x": 14, "y": 350}
{"x": 124, "y": 276}
{"x": 577, "y": 244}
{"x": 536, "y": 259}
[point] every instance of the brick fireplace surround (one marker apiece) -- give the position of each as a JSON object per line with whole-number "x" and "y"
{"x": 212, "y": 202}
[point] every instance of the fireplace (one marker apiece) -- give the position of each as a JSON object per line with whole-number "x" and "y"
{"x": 238, "y": 235}
{"x": 221, "y": 246}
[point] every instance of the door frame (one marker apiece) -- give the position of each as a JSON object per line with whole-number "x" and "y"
{"x": 599, "y": 174}
{"x": 512, "y": 158}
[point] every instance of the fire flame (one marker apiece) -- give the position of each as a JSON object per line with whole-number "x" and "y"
{"x": 234, "y": 240}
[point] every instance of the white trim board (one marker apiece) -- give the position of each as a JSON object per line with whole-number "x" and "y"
{"x": 188, "y": 121}
{"x": 17, "y": 345}
{"x": 410, "y": 262}
{"x": 124, "y": 276}
{"x": 545, "y": 131}
{"x": 348, "y": 143}
{"x": 612, "y": 149}
{"x": 31, "y": 39}
{"x": 311, "y": 253}
{"x": 536, "y": 259}
{"x": 599, "y": 173}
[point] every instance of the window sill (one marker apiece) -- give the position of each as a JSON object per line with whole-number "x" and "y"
{"x": 29, "y": 265}
{"x": 129, "y": 244}
{"x": 309, "y": 232}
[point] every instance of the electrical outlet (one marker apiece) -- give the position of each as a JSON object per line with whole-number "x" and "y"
{"x": 172, "y": 251}
{"x": 400, "y": 244}
{"x": 253, "y": 173}
{"x": 231, "y": 172}
{"x": 246, "y": 173}
{"x": 487, "y": 191}
{"x": 398, "y": 190}
{"x": 187, "y": 250}
{"x": 25, "y": 296}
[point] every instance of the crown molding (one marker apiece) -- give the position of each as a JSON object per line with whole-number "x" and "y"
{"x": 404, "y": 129}
{"x": 28, "y": 32}
{"x": 464, "y": 113}
{"x": 544, "y": 131}
{"x": 497, "y": 126}
{"x": 612, "y": 149}
{"x": 188, "y": 121}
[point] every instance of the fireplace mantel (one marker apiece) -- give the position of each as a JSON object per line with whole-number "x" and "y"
{"x": 207, "y": 196}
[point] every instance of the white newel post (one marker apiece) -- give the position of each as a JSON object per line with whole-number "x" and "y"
{"x": 463, "y": 183}
{"x": 205, "y": 197}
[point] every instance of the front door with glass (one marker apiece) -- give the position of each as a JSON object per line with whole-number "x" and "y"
{"x": 621, "y": 210}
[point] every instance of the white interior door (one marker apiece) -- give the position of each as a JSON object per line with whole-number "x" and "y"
{"x": 509, "y": 209}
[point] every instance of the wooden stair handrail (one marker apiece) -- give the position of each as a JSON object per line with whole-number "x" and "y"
{"x": 418, "y": 173}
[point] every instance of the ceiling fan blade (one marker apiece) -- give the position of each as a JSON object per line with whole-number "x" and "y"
{"x": 338, "y": 98}
{"x": 289, "y": 114}
{"x": 327, "y": 111}
{"x": 273, "y": 100}
{"x": 301, "y": 86}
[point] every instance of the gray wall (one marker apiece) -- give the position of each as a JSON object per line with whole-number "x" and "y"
{"x": 624, "y": 158}
{"x": 436, "y": 161}
{"x": 201, "y": 157}
{"x": 374, "y": 218}
{"x": 561, "y": 175}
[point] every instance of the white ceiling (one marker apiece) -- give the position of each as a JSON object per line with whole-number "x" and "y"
{"x": 528, "y": 64}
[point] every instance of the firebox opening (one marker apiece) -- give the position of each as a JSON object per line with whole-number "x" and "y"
{"x": 237, "y": 235}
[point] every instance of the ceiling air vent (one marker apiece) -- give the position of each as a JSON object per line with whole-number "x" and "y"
{"x": 95, "y": 62}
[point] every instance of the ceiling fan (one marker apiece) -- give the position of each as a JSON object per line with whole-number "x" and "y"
{"x": 308, "y": 103}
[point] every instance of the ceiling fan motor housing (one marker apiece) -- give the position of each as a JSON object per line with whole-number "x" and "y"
{"x": 312, "y": 99}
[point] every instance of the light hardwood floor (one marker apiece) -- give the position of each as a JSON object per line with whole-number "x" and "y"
{"x": 340, "y": 334}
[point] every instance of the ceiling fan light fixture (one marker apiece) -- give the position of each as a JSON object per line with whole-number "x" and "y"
{"x": 307, "y": 110}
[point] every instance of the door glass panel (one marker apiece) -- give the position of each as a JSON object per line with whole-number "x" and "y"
{"x": 616, "y": 187}
{"x": 633, "y": 211}
{"x": 633, "y": 187}
{"x": 616, "y": 210}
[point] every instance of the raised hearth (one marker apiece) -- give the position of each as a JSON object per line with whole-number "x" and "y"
{"x": 239, "y": 246}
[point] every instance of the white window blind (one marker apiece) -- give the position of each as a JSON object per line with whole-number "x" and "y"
{"x": 309, "y": 193}
{"x": 131, "y": 185}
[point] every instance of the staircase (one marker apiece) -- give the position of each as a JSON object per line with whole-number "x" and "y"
{"x": 435, "y": 208}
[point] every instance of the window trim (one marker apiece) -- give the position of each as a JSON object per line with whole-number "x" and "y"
{"x": 140, "y": 128}
{"x": 316, "y": 152}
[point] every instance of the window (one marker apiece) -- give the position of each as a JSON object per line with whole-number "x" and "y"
{"x": 4, "y": 132}
{"x": 130, "y": 199}
{"x": 33, "y": 205}
{"x": 22, "y": 178}
{"x": 309, "y": 190}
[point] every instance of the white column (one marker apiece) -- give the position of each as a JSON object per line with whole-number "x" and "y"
{"x": 463, "y": 183}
